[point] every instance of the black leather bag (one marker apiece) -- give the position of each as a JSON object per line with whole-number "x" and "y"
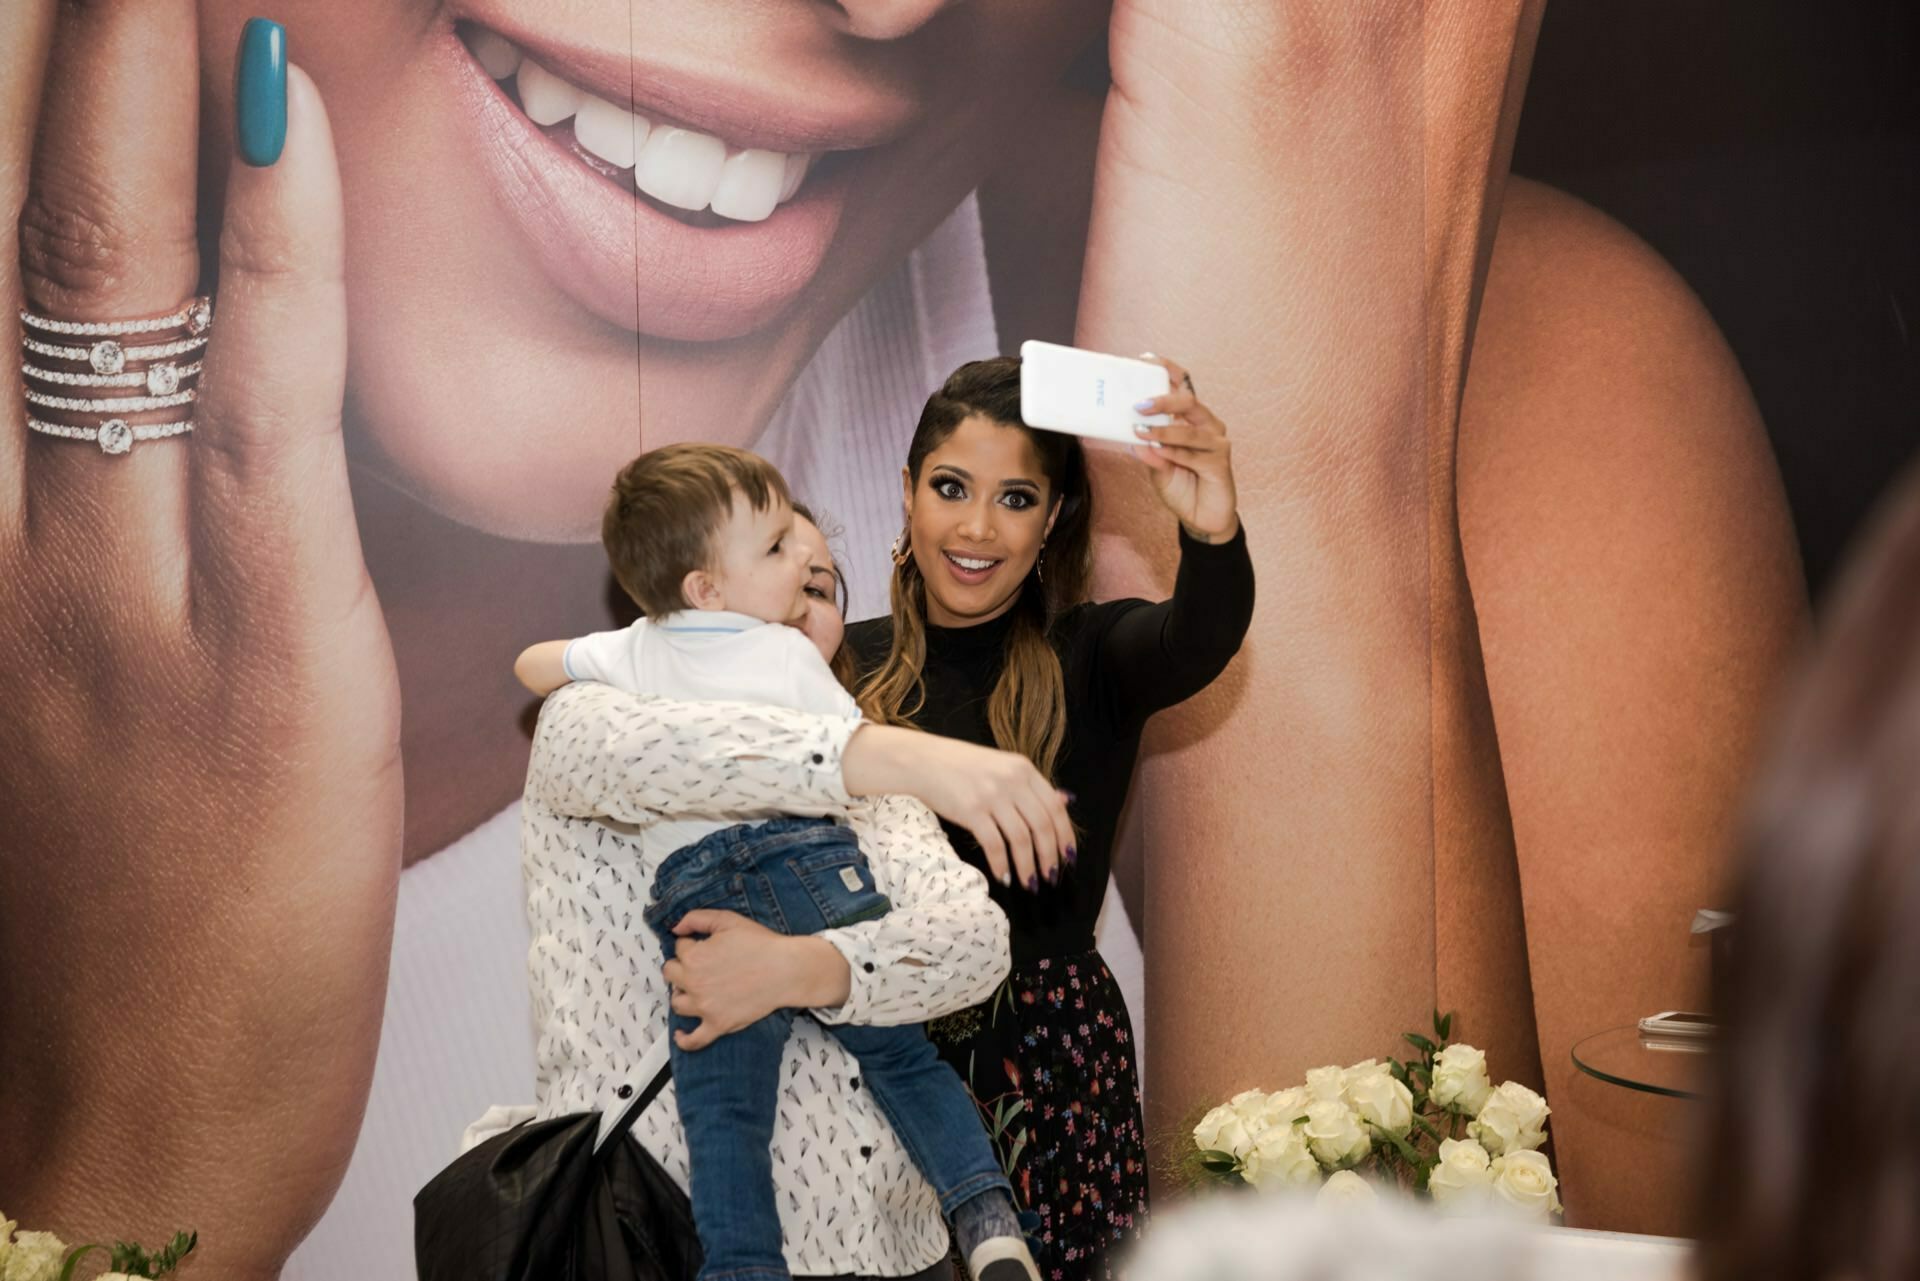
{"x": 537, "y": 1203}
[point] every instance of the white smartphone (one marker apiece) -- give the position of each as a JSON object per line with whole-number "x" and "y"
{"x": 1678, "y": 1023}
{"x": 1088, "y": 393}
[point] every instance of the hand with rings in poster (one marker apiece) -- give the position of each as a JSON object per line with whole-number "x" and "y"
{"x": 202, "y": 780}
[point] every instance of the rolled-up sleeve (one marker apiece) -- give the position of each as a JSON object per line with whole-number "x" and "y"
{"x": 943, "y": 947}
{"x": 600, "y": 752}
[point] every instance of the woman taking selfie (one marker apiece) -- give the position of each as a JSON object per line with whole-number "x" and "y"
{"x": 992, "y": 640}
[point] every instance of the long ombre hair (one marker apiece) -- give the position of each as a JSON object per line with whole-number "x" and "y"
{"x": 1027, "y": 709}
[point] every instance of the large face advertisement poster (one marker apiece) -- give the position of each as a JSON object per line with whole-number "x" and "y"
{"x": 1527, "y": 577}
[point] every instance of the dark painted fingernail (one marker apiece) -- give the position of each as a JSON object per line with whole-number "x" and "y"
{"x": 1072, "y": 855}
{"x": 260, "y": 92}
{"x": 1033, "y": 885}
{"x": 1053, "y": 874}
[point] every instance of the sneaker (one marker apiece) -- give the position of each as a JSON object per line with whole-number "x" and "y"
{"x": 1002, "y": 1259}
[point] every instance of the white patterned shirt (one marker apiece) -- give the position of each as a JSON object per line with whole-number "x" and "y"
{"x": 605, "y": 766}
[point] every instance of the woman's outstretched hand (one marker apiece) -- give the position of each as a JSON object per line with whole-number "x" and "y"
{"x": 1190, "y": 459}
{"x": 199, "y": 760}
{"x": 1019, "y": 819}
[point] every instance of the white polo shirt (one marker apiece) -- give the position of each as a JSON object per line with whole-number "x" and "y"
{"x": 706, "y": 656}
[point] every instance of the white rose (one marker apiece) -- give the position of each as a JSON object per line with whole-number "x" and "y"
{"x": 1384, "y": 1102}
{"x": 1344, "y": 1187}
{"x": 1462, "y": 1178}
{"x": 1335, "y": 1134}
{"x": 1460, "y": 1081}
{"x": 1249, "y": 1106}
{"x": 1327, "y": 1082}
{"x": 1513, "y": 1119}
{"x": 1281, "y": 1159}
{"x": 1283, "y": 1108}
{"x": 36, "y": 1256}
{"x": 1525, "y": 1180}
{"x": 1362, "y": 1070}
{"x": 6, "y": 1240}
{"x": 1221, "y": 1130}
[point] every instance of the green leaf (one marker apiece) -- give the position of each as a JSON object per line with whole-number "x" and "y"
{"x": 1399, "y": 1071}
{"x": 1013, "y": 1157}
{"x": 73, "y": 1259}
{"x": 1421, "y": 1121}
{"x": 1400, "y": 1145}
{"x": 1446, "y": 1026}
{"x": 177, "y": 1249}
{"x": 1420, "y": 1043}
{"x": 1217, "y": 1161}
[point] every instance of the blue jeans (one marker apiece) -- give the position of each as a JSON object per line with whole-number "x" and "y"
{"x": 796, "y": 876}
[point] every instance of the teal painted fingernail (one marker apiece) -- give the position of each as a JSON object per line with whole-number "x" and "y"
{"x": 260, "y": 92}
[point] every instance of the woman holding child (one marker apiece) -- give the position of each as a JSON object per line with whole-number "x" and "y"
{"x": 705, "y": 540}
{"x": 851, "y": 1199}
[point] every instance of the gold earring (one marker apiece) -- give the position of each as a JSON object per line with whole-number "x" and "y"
{"x": 900, "y": 552}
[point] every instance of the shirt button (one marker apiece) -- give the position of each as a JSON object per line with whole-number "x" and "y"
{"x": 867, "y": 1153}
{"x": 853, "y": 1083}
{"x": 867, "y": 966}
{"x": 625, "y": 1091}
{"x": 818, "y": 759}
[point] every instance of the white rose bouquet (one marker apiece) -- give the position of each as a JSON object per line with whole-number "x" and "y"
{"x": 1435, "y": 1124}
{"x": 42, "y": 1256}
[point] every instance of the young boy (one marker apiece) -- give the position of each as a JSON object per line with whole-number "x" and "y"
{"x": 698, "y": 535}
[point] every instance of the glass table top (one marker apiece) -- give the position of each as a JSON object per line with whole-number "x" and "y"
{"x": 1626, "y": 1057}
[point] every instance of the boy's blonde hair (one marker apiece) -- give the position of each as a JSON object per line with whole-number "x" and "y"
{"x": 666, "y": 507}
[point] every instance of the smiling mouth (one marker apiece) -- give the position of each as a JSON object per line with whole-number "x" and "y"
{"x": 970, "y": 564}
{"x": 688, "y": 174}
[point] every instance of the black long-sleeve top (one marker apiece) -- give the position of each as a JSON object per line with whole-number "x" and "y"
{"x": 1123, "y": 661}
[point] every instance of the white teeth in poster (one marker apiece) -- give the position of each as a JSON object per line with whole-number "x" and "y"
{"x": 683, "y": 168}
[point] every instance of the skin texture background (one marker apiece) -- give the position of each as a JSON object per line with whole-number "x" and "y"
{"x": 1523, "y": 598}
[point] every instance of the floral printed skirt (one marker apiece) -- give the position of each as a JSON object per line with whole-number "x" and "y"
{"x": 1050, "y": 1061}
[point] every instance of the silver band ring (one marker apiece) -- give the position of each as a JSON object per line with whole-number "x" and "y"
{"x": 155, "y": 351}
{"x": 113, "y": 436}
{"x": 196, "y": 315}
{"x": 159, "y": 380}
{"x": 111, "y": 404}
